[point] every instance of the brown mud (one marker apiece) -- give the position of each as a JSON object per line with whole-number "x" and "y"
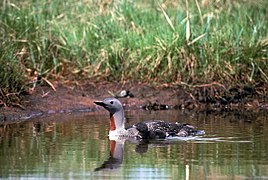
{"x": 75, "y": 97}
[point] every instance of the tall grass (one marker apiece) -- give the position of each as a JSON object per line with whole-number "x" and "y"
{"x": 151, "y": 41}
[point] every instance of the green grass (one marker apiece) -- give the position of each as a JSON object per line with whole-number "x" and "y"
{"x": 146, "y": 41}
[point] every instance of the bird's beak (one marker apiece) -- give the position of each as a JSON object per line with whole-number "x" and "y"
{"x": 100, "y": 103}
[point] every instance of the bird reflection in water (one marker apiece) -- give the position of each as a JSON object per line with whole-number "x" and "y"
{"x": 117, "y": 154}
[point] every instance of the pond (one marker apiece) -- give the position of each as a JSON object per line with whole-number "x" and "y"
{"x": 76, "y": 146}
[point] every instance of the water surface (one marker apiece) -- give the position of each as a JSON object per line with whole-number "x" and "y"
{"x": 76, "y": 146}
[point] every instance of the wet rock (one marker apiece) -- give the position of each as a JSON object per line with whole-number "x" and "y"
{"x": 124, "y": 94}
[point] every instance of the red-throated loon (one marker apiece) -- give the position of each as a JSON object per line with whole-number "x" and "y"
{"x": 155, "y": 129}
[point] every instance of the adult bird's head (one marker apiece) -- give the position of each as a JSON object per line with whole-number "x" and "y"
{"x": 115, "y": 108}
{"x": 110, "y": 104}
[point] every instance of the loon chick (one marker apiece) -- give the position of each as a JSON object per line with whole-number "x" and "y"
{"x": 155, "y": 129}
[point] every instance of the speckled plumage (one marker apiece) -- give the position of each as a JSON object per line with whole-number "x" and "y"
{"x": 158, "y": 129}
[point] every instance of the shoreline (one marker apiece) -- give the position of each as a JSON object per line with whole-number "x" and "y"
{"x": 79, "y": 97}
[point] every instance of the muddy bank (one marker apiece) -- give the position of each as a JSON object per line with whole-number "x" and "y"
{"x": 78, "y": 97}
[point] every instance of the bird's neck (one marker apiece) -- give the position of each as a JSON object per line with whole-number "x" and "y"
{"x": 117, "y": 121}
{"x": 116, "y": 149}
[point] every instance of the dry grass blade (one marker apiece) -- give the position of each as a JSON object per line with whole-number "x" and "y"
{"x": 111, "y": 93}
{"x": 200, "y": 13}
{"x": 264, "y": 75}
{"x": 209, "y": 85}
{"x": 196, "y": 39}
{"x": 49, "y": 83}
{"x": 167, "y": 18}
{"x": 161, "y": 43}
{"x": 188, "y": 28}
{"x": 169, "y": 61}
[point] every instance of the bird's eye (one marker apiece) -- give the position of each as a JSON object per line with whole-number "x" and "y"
{"x": 111, "y": 102}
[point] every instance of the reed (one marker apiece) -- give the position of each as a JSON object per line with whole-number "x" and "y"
{"x": 163, "y": 42}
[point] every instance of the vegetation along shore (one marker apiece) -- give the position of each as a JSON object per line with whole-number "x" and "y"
{"x": 211, "y": 46}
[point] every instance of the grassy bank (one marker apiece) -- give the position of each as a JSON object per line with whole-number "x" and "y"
{"x": 183, "y": 43}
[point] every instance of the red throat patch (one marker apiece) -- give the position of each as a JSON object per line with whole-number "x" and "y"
{"x": 112, "y": 124}
{"x": 112, "y": 146}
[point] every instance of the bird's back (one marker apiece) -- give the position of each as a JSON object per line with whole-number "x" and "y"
{"x": 158, "y": 129}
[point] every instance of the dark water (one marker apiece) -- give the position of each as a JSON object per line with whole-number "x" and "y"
{"x": 76, "y": 147}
